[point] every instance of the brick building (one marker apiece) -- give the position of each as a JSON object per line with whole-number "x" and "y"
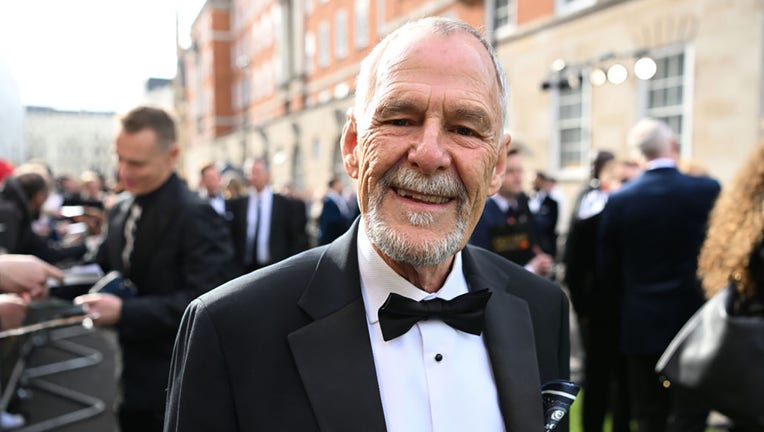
{"x": 268, "y": 78}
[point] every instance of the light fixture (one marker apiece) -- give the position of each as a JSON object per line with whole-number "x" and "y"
{"x": 558, "y": 65}
{"x": 645, "y": 68}
{"x": 617, "y": 73}
{"x": 597, "y": 77}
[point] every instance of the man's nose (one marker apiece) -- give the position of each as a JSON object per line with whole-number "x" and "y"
{"x": 429, "y": 153}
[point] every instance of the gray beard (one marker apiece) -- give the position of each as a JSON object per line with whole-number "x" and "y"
{"x": 401, "y": 248}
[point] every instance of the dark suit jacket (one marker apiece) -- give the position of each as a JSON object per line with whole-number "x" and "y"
{"x": 287, "y": 347}
{"x": 16, "y": 234}
{"x": 651, "y": 232}
{"x": 182, "y": 249}
{"x": 287, "y": 234}
{"x": 580, "y": 258}
{"x": 331, "y": 223}
{"x": 545, "y": 221}
{"x": 493, "y": 219}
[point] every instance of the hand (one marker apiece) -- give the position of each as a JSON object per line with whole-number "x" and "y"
{"x": 27, "y": 274}
{"x": 13, "y": 310}
{"x": 541, "y": 264}
{"x": 103, "y": 309}
{"x": 93, "y": 218}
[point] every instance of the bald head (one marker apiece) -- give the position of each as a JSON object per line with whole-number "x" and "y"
{"x": 372, "y": 67}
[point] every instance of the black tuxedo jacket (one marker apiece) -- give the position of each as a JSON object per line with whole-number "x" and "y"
{"x": 182, "y": 249}
{"x": 287, "y": 234}
{"x": 545, "y": 221}
{"x": 287, "y": 347}
{"x": 650, "y": 236}
{"x": 331, "y": 223}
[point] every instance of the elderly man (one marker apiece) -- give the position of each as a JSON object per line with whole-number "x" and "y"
{"x": 650, "y": 236}
{"x": 328, "y": 340}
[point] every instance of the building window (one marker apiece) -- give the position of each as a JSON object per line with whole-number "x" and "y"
{"x": 665, "y": 95}
{"x": 505, "y": 16}
{"x": 316, "y": 148}
{"x": 340, "y": 34}
{"x": 310, "y": 51}
{"x": 361, "y": 35}
{"x": 572, "y": 118}
{"x": 570, "y": 6}
{"x": 323, "y": 44}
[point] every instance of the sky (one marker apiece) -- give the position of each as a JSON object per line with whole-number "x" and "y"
{"x": 91, "y": 55}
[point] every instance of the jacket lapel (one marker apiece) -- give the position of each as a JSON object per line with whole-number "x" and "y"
{"x": 333, "y": 353}
{"x": 153, "y": 231}
{"x": 511, "y": 347}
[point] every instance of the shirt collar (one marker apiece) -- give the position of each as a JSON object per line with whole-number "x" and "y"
{"x": 502, "y": 202}
{"x": 267, "y": 192}
{"x": 661, "y": 163}
{"x": 378, "y": 280}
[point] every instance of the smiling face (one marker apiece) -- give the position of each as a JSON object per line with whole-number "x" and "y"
{"x": 428, "y": 157}
{"x": 144, "y": 165}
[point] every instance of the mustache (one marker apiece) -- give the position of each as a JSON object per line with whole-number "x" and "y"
{"x": 439, "y": 184}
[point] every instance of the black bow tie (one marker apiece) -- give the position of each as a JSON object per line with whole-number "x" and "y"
{"x": 465, "y": 312}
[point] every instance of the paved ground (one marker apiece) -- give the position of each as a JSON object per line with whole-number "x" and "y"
{"x": 68, "y": 384}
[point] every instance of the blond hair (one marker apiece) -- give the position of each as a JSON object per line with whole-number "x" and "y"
{"x": 736, "y": 226}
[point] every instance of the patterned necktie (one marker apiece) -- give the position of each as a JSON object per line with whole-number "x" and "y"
{"x": 131, "y": 224}
{"x": 465, "y": 312}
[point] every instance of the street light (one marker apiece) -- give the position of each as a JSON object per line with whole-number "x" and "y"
{"x": 645, "y": 68}
{"x": 617, "y": 74}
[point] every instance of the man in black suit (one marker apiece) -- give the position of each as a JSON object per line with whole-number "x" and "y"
{"x": 171, "y": 245}
{"x": 650, "y": 233}
{"x": 336, "y": 215}
{"x": 507, "y": 223}
{"x": 546, "y": 212}
{"x": 321, "y": 341}
{"x": 266, "y": 226}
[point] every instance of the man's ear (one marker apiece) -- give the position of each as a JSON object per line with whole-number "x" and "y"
{"x": 174, "y": 152}
{"x": 349, "y": 144}
{"x": 500, "y": 169}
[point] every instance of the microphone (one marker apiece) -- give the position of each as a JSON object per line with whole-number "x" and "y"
{"x": 558, "y": 396}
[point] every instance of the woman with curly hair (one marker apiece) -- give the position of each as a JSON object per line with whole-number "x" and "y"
{"x": 733, "y": 249}
{"x": 734, "y": 245}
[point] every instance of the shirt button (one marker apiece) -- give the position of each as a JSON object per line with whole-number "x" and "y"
{"x": 438, "y": 357}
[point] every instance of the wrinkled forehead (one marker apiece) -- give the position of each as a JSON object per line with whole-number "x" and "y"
{"x": 418, "y": 41}
{"x": 461, "y": 53}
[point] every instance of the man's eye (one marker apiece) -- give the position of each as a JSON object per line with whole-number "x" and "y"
{"x": 400, "y": 122}
{"x": 464, "y": 131}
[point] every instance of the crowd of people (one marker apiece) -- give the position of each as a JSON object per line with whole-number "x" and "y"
{"x": 261, "y": 318}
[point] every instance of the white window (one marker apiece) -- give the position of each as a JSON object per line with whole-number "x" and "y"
{"x": 310, "y": 51}
{"x": 570, "y": 6}
{"x": 361, "y": 35}
{"x": 324, "y": 57}
{"x": 340, "y": 34}
{"x": 505, "y": 16}
{"x": 572, "y": 126}
{"x": 665, "y": 94}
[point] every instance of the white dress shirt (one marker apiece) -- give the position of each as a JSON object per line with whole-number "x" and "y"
{"x": 503, "y": 203}
{"x": 265, "y": 200}
{"x": 433, "y": 378}
{"x": 218, "y": 203}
